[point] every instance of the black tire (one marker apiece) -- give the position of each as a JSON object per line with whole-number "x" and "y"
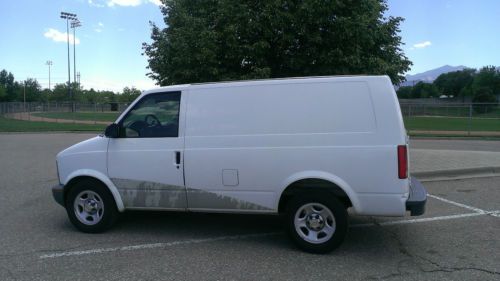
{"x": 324, "y": 243}
{"x": 107, "y": 215}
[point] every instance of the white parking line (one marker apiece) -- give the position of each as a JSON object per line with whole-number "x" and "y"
{"x": 495, "y": 214}
{"x": 441, "y": 218}
{"x": 155, "y": 245}
{"x": 477, "y": 210}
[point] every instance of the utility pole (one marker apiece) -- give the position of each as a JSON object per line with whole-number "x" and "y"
{"x": 74, "y": 24}
{"x": 68, "y": 17}
{"x": 49, "y": 63}
{"x": 24, "y": 97}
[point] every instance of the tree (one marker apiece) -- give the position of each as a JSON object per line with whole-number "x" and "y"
{"x": 455, "y": 83}
{"x": 107, "y": 96}
{"x": 7, "y": 80}
{"x": 3, "y": 93}
{"x": 487, "y": 100}
{"x": 404, "y": 92}
{"x": 60, "y": 93}
{"x": 128, "y": 94}
{"x": 486, "y": 81}
{"x": 213, "y": 40}
{"x": 29, "y": 88}
{"x": 424, "y": 90}
{"x": 45, "y": 95}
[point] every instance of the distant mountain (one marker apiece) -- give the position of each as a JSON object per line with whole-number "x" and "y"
{"x": 430, "y": 75}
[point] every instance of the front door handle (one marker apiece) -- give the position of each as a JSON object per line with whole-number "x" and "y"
{"x": 178, "y": 159}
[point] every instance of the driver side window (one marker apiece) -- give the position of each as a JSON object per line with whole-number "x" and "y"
{"x": 154, "y": 116}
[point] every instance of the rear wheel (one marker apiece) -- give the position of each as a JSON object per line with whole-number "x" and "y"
{"x": 317, "y": 222}
{"x": 91, "y": 207}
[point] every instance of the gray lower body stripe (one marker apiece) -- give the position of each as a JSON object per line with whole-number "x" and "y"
{"x": 145, "y": 194}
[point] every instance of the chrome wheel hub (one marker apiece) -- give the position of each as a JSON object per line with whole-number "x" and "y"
{"x": 315, "y": 223}
{"x": 88, "y": 207}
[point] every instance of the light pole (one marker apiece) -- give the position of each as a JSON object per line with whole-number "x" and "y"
{"x": 24, "y": 97}
{"x": 74, "y": 24}
{"x": 68, "y": 17}
{"x": 49, "y": 63}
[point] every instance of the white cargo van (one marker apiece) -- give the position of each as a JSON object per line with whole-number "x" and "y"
{"x": 307, "y": 148}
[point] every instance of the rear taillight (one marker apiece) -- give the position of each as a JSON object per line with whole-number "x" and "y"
{"x": 402, "y": 162}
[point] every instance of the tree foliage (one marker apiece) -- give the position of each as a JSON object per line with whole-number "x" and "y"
{"x": 128, "y": 94}
{"x": 486, "y": 81}
{"x": 454, "y": 83}
{"x": 213, "y": 40}
{"x": 404, "y": 92}
{"x": 11, "y": 90}
{"x": 424, "y": 90}
{"x": 9, "y": 85}
{"x": 479, "y": 86}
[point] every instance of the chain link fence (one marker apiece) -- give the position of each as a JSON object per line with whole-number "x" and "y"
{"x": 420, "y": 116}
{"x": 63, "y": 112}
{"x": 474, "y": 110}
{"x": 457, "y": 118}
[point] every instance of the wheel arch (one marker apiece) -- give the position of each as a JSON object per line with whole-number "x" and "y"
{"x": 318, "y": 181}
{"x": 95, "y": 175}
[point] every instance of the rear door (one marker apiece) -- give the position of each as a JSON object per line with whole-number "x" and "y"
{"x": 145, "y": 162}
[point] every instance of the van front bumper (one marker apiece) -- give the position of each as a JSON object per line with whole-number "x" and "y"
{"x": 417, "y": 199}
{"x": 58, "y": 194}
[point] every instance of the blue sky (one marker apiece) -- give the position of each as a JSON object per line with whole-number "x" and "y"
{"x": 108, "y": 49}
{"x": 440, "y": 32}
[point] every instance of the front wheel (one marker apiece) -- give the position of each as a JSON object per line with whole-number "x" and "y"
{"x": 91, "y": 207}
{"x": 317, "y": 222}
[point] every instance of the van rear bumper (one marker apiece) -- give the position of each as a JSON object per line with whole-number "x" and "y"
{"x": 417, "y": 199}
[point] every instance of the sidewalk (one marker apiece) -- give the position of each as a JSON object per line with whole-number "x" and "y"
{"x": 430, "y": 163}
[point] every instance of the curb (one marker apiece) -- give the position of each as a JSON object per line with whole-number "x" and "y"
{"x": 457, "y": 173}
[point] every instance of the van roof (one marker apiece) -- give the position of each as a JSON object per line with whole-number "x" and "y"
{"x": 181, "y": 87}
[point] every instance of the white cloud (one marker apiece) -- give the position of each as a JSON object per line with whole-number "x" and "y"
{"x": 96, "y": 3}
{"x": 58, "y": 36}
{"x": 98, "y": 30}
{"x": 123, "y": 3}
{"x": 422, "y": 44}
{"x": 156, "y": 2}
{"x": 131, "y": 3}
{"x": 100, "y": 24}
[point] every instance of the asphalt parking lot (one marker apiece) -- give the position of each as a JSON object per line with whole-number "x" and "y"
{"x": 457, "y": 239}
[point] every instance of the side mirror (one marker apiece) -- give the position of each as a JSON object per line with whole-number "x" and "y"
{"x": 112, "y": 131}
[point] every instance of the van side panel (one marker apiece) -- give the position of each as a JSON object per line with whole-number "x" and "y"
{"x": 294, "y": 108}
{"x": 262, "y": 133}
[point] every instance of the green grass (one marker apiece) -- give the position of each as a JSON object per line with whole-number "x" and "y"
{"x": 89, "y": 116}
{"x": 451, "y": 124}
{"x": 12, "y": 125}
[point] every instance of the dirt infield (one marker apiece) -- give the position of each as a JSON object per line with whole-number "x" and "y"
{"x": 30, "y": 117}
